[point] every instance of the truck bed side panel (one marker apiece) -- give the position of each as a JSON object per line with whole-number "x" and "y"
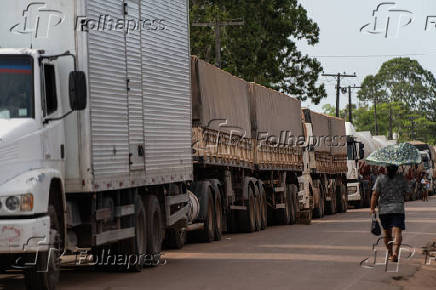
{"x": 221, "y": 101}
{"x": 337, "y": 127}
{"x": 320, "y": 126}
{"x": 275, "y": 112}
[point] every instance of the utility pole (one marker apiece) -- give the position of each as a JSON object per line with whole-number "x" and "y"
{"x": 217, "y": 26}
{"x": 350, "y": 103}
{"x": 338, "y": 77}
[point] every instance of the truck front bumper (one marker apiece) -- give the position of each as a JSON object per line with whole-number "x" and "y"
{"x": 24, "y": 235}
{"x": 353, "y": 190}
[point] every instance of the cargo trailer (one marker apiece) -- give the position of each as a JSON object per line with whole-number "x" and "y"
{"x": 327, "y": 161}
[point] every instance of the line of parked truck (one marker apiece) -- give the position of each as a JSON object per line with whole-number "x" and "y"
{"x": 120, "y": 140}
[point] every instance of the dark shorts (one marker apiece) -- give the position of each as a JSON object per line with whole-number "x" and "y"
{"x": 391, "y": 220}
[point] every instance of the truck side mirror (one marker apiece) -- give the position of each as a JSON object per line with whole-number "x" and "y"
{"x": 361, "y": 151}
{"x": 78, "y": 91}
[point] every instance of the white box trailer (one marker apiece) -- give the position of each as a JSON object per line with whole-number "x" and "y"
{"x": 129, "y": 61}
{"x": 136, "y": 128}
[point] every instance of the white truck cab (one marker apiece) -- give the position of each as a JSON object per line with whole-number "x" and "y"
{"x": 32, "y": 146}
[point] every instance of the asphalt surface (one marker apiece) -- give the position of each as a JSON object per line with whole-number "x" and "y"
{"x": 324, "y": 255}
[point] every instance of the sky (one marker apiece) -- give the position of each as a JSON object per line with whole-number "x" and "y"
{"x": 358, "y": 36}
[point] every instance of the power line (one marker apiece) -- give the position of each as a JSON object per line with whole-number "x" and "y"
{"x": 373, "y": 55}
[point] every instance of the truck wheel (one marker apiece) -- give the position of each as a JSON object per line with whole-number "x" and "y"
{"x": 342, "y": 202}
{"x": 207, "y": 235}
{"x": 264, "y": 211}
{"x": 305, "y": 217}
{"x": 45, "y": 275}
{"x": 218, "y": 217}
{"x": 258, "y": 213}
{"x": 176, "y": 238}
{"x": 248, "y": 218}
{"x": 319, "y": 211}
{"x": 154, "y": 230}
{"x": 367, "y": 191}
{"x": 293, "y": 189}
{"x": 283, "y": 215}
{"x": 138, "y": 244}
{"x": 331, "y": 209}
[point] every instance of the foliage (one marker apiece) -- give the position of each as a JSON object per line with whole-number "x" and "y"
{"x": 264, "y": 49}
{"x": 409, "y": 124}
{"x": 402, "y": 80}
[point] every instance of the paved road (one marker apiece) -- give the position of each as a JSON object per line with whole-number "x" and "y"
{"x": 324, "y": 255}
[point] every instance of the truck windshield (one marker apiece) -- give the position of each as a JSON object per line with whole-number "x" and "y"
{"x": 16, "y": 87}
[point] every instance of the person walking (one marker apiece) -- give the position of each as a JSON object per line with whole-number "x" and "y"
{"x": 389, "y": 192}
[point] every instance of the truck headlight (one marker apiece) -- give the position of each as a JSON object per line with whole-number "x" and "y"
{"x": 12, "y": 203}
{"x": 21, "y": 202}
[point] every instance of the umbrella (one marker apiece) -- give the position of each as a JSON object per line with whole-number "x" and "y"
{"x": 401, "y": 154}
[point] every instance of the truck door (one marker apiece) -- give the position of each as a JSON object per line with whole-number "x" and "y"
{"x": 53, "y": 131}
{"x": 134, "y": 84}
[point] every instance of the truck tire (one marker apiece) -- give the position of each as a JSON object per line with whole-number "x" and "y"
{"x": 342, "y": 202}
{"x": 319, "y": 211}
{"x": 154, "y": 230}
{"x": 175, "y": 238}
{"x": 367, "y": 193}
{"x": 332, "y": 205}
{"x": 218, "y": 217}
{"x": 283, "y": 215}
{"x": 258, "y": 213}
{"x": 138, "y": 244}
{"x": 207, "y": 235}
{"x": 247, "y": 218}
{"x": 305, "y": 217}
{"x": 293, "y": 189}
{"x": 264, "y": 210}
{"x": 39, "y": 278}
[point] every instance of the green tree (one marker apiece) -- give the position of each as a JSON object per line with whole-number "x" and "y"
{"x": 371, "y": 91}
{"x": 410, "y": 125}
{"x": 264, "y": 49}
{"x": 402, "y": 80}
